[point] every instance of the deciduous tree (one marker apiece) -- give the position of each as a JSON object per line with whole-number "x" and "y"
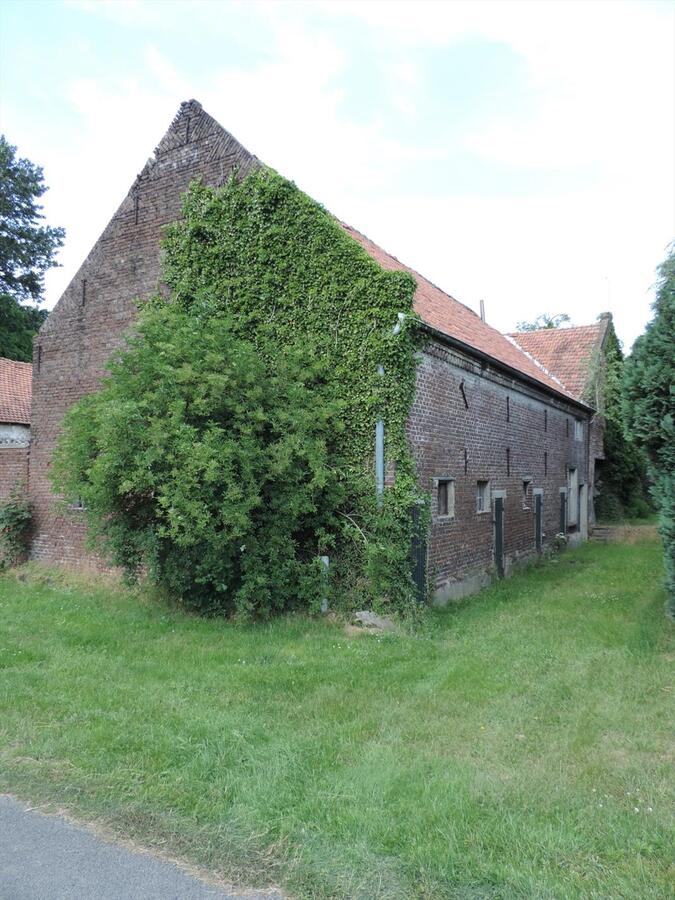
{"x": 27, "y": 250}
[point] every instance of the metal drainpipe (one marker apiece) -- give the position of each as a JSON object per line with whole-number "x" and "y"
{"x": 379, "y": 452}
{"x": 379, "y": 431}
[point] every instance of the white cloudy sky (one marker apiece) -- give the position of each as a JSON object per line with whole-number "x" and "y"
{"x": 518, "y": 152}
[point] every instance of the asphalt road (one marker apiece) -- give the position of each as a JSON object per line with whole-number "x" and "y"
{"x": 44, "y": 857}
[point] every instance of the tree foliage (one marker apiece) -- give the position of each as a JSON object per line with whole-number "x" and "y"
{"x": 27, "y": 250}
{"x": 544, "y": 321}
{"x": 623, "y": 482}
{"x": 649, "y": 407}
{"x": 18, "y": 324}
{"x": 233, "y": 442}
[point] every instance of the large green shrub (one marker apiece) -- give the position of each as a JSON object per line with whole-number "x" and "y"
{"x": 649, "y": 407}
{"x": 233, "y": 443}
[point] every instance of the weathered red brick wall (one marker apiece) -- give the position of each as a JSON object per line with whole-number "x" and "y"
{"x": 99, "y": 306}
{"x": 13, "y": 469}
{"x": 450, "y": 440}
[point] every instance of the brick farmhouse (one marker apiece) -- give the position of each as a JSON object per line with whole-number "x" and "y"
{"x": 501, "y": 443}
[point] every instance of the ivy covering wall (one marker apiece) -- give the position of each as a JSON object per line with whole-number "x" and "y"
{"x": 264, "y": 262}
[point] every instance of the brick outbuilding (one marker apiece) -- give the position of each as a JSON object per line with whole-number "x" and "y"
{"x": 500, "y": 442}
{"x": 15, "y": 401}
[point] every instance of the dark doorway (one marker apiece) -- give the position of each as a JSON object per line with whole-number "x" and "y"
{"x": 537, "y": 521}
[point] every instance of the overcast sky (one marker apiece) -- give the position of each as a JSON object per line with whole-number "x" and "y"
{"x": 522, "y": 153}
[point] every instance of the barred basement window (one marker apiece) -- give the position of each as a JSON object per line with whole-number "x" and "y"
{"x": 445, "y": 498}
{"x": 483, "y": 496}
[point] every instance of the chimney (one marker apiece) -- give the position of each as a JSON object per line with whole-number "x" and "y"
{"x": 482, "y": 310}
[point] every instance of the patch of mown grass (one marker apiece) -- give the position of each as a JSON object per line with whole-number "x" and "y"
{"x": 520, "y": 747}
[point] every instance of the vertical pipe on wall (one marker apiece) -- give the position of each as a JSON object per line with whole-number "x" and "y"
{"x": 379, "y": 452}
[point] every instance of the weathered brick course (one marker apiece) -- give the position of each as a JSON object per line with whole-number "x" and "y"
{"x": 13, "y": 470}
{"x": 470, "y": 444}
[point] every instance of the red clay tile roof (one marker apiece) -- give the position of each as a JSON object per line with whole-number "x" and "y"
{"x": 448, "y": 315}
{"x": 15, "y": 391}
{"x": 565, "y": 352}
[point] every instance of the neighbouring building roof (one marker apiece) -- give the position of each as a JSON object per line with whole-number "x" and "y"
{"x": 566, "y": 352}
{"x": 443, "y": 313}
{"x": 15, "y": 391}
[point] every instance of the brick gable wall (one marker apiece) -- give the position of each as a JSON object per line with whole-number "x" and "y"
{"x": 99, "y": 305}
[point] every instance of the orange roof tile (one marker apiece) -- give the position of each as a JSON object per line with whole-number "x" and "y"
{"x": 15, "y": 391}
{"x": 565, "y": 352}
{"x": 444, "y": 313}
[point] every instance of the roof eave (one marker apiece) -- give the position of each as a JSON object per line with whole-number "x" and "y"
{"x": 505, "y": 367}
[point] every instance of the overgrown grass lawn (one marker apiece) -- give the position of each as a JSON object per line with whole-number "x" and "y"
{"x": 521, "y": 746}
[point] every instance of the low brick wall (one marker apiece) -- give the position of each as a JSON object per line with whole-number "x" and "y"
{"x": 13, "y": 469}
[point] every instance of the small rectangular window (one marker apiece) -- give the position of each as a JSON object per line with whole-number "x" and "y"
{"x": 445, "y": 498}
{"x": 527, "y": 493}
{"x": 578, "y": 430}
{"x": 483, "y": 496}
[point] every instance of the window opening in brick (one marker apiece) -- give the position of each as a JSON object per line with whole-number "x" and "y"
{"x": 527, "y": 493}
{"x": 482, "y": 496}
{"x": 445, "y": 497}
{"x": 578, "y": 430}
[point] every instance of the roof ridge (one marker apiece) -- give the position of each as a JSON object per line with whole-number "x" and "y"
{"x": 15, "y": 362}
{"x": 597, "y": 325}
